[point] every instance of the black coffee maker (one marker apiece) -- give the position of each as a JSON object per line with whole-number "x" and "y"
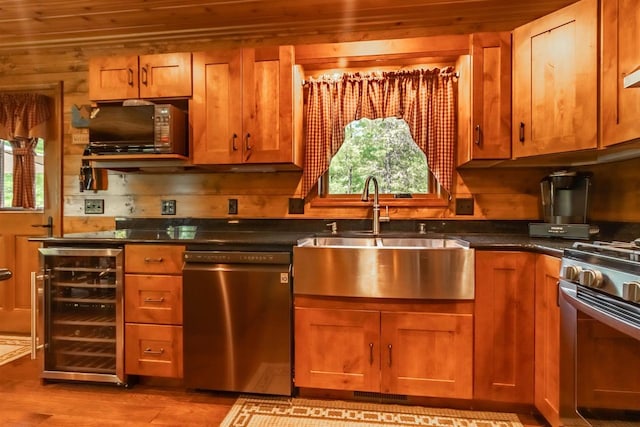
{"x": 565, "y": 206}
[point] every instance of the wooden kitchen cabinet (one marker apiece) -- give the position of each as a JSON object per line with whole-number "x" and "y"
{"x": 337, "y": 349}
{"x": 489, "y": 135}
{"x": 244, "y": 106}
{"x": 399, "y": 352}
{"x": 547, "y": 339}
{"x": 153, "y": 310}
{"x": 555, "y": 77}
{"x": 504, "y": 327}
{"x": 620, "y": 107}
{"x": 166, "y": 75}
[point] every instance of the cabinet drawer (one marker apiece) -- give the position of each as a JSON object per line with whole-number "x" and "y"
{"x": 154, "y": 259}
{"x": 153, "y": 350}
{"x": 153, "y": 299}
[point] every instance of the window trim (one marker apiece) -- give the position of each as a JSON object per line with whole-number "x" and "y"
{"x": 434, "y": 199}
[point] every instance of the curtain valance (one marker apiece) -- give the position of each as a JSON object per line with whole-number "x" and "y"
{"x": 425, "y": 99}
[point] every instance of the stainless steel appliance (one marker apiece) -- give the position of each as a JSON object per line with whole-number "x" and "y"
{"x": 237, "y": 321}
{"x": 116, "y": 129}
{"x": 600, "y": 334}
{"x": 83, "y": 314}
{"x": 565, "y": 206}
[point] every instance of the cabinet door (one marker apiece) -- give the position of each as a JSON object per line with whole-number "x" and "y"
{"x": 337, "y": 349}
{"x": 555, "y": 82}
{"x": 491, "y": 96}
{"x": 427, "y": 354}
{"x": 165, "y": 75}
{"x": 267, "y": 95}
{"x": 620, "y": 56}
{"x": 547, "y": 339}
{"x": 504, "y": 326}
{"x": 216, "y": 107}
{"x": 113, "y": 77}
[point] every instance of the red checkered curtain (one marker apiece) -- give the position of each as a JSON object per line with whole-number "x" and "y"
{"x": 23, "y": 118}
{"x": 425, "y": 99}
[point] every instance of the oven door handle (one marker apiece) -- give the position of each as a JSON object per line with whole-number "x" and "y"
{"x": 568, "y": 293}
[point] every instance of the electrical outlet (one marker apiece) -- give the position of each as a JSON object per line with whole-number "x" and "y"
{"x": 168, "y": 207}
{"x": 464, "y": 206}
{"x": 93, "y": 206}
{"x": 233, "y": 206}
{"x": 296, "y": 206}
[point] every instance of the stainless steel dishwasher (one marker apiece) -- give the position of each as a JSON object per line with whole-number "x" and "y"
{"x": 237, "y": 321}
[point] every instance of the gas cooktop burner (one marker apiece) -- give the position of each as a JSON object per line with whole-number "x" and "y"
{"x": 623, "y": 251}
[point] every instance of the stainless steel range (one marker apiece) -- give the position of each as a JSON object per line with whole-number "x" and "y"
{"x": 600, "y": 334}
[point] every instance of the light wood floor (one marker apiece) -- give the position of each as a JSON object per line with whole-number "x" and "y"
{"x": 26, "y": 401}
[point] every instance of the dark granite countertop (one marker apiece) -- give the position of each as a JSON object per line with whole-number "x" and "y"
{"x": 285, "y": 240}
{"x": 283, "y": 234}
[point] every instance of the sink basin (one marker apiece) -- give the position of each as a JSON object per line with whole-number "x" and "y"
{"x": 384, "y": 267}
{"x": 385, "y": 242}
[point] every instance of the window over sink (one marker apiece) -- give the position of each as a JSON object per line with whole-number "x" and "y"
{"x": 385, "y": 149}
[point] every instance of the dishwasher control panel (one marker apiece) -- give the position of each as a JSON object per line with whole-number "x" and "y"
{"x": 237, "y": 257}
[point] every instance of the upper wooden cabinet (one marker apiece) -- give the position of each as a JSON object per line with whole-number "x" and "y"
{"x": 488, "y": 135}
{"x": 620, "y": 107}
{"x": 555, "y": 82}
{"x": 166, "y": 75}
{"x": 504, "y": 327}
{"x": 243, "y": 107}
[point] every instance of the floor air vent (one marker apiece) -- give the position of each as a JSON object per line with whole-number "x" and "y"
{"x": 370, "y": 396}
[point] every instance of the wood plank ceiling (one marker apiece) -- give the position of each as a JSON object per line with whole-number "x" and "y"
{"x": 43, "y": 23}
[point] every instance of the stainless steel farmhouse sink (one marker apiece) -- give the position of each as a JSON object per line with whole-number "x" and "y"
{"x": 384, "y": 267}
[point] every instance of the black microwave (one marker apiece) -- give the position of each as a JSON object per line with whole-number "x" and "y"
{"x": 138, "y": 129}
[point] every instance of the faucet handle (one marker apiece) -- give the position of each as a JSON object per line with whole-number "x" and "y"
{"x": 422, "y": 228}
{"x": 385, "y": 217}
{"x": 334, "y": 227}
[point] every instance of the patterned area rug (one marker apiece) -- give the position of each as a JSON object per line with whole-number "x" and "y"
{"x": 12, "y": 348}
{"x": 293, "y": 412}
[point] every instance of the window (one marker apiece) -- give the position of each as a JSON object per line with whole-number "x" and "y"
{"x": 6, "y": 175}
{"x": 383, "y": 148}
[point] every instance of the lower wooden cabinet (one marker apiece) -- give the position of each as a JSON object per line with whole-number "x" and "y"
{"x": 547, "y": 339}
{"x": 398, "y": 352}
{"x": 504, "y": 327}
{"x": 153, "y": 350}
{"x": 153, "y": 310}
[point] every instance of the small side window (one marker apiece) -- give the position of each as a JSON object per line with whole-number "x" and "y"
{"x": 7, "y": 179}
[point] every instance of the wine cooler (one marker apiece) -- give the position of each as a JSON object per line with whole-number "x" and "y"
{"x": 83, "y": 314}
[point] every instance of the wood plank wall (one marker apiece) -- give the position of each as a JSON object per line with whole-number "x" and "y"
{"x": 499, "y": 193}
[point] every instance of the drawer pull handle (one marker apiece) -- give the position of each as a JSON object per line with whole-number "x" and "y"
{"x": 161, "y": 299}
{"x": 154, "y": 352}
{"x": 150, "y": 260}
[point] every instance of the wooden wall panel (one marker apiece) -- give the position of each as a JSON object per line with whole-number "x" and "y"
{"x": 498, "y": 193}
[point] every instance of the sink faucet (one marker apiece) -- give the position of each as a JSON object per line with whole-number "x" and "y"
{"x": 376, "y": 204}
